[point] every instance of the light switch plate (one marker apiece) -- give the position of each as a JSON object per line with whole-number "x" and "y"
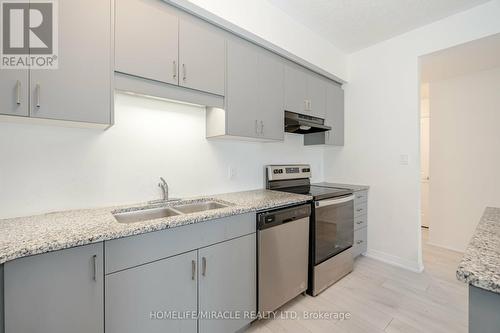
{"x": 404, "y": 159}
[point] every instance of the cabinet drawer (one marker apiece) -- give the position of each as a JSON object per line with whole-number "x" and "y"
{"x": 360, "y": 241}
{"x": 360, "y": 222}
{"x": 361, "y": 196}
{"x": 360, "y": 208}
{"x": 137, "y": 250}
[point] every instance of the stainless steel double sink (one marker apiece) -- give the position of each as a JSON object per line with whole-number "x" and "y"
{"x": 180, "y": 208}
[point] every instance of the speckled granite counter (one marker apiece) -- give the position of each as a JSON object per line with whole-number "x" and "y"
{"x": 351, "y": 187}
{"x": 24, "y": 236}
{"x": 480, "y": 265}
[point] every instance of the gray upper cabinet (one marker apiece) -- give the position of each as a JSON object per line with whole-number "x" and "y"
{"x": 146, "y": 40}
{"x": 295, "y": 88}
{"x": 242, "y": 83}
{"x": 227, "y": 282}
{"x": 81, "y": 88}
{"x": 270, "y": 96}
{"x": 14, "y": 92}
{"x": 316, "y": 92}
{"x": 254, "y": 95}
{"x": 305, "y": 91}
{"x": 202, "y": 56}
{"x": 57, "y": 292}
{"x": 140, "y": 298}
{"x": 334, "y": 114}
{"x": 334, "y": 117}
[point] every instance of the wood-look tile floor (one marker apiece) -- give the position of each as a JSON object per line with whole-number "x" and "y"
{"x": 384, "y": 298}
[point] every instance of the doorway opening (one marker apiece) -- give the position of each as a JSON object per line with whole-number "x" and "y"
{"x": 459, "y": 139}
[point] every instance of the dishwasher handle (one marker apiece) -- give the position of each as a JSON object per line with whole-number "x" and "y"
{"x": 277, "y": 217}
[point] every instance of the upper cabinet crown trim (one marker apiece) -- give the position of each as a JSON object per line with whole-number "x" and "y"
{"x": 205, "y": 15}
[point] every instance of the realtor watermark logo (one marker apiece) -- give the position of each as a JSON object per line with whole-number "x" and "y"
{"x": 29, "y": 34}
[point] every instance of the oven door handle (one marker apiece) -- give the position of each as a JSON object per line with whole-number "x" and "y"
{"x": 323, "y": 203}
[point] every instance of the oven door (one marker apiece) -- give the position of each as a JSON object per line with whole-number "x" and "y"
{"x": 334, "y": 227}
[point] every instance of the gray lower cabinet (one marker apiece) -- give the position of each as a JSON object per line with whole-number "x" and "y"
{"x": 154, "y": 280}
{"x": 227, "y": 282}
{"x": 147, "y": 40}
{"x": 81, "y": 88}
{"x": 202, "y": 56}
{"x": 2, "y": 326}
{"x": 360, "y": 244}
{"x": 141, "y": 299}
{"x": 254, "y": 95}
{"x": 57, "y": 292}
{"x": 14, "y": 92}
{"x": 157, "y": 297}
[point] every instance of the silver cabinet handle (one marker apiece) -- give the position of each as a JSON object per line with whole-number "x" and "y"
{"x": 184, "y": 75}
{"x": 256, "y": 127}
{"x": 94, "y": 267}
{"x": 203, "y": 266}
{"x": 359, "y": 209}
{"x": 261, "y": 127}
{"x": 175, "y": 69}
{"x": 359, "y": 242}
{"x": 18, "y": 92}
{"x": 193, "y": 269}
{"x": 359, "y": 222}
{"x": 38, "y": 95}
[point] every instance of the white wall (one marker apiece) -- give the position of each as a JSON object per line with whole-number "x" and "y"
{"x": 464, "y": 163}
{"x": 382, "y": 122}
{"x": 46, "y": 168}
{"x": 269, "y": 22}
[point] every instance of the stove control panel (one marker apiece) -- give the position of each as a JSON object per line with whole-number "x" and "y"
{"x": 282, "y": 172}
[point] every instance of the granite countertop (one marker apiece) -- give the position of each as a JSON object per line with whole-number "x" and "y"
{"x": 480, "y": 265}
{"x": 351, "y": 187}
{"x": 25, "y": 236}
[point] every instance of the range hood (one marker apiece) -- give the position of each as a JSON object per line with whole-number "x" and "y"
{"x": 304, "y": 124}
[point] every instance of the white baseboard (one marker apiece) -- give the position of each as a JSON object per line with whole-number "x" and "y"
{"x": 395, "y": 261}
{"x": 445, "y": 247}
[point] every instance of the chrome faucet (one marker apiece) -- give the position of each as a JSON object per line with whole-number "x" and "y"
{"x": 164, "y": 188}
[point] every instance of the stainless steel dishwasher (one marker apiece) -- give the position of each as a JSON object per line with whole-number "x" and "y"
{"x": 283, "y": 252}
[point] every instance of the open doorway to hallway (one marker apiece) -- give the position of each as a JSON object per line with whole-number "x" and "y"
{"x": 460, "y": 114}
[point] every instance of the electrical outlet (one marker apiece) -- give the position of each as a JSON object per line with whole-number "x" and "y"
{"x": 232, "y": 172}
{"x": 404, "y": 159}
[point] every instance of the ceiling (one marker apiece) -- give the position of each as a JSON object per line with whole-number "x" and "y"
{"x": 478, "y": 55}
{"x": 352, "y": 25}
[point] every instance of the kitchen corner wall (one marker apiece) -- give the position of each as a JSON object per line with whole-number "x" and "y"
{"x": 382, "y": 123}
{"x": 47, "y": 168}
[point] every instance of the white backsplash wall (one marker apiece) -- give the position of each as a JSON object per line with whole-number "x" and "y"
{"x": 48, "y": 168}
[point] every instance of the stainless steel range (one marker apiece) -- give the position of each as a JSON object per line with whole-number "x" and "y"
{"x": 332, "y": 224}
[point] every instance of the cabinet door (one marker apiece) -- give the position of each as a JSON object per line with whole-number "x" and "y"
{"x": 81, "y": 88}
{"x": 202, "y": 56}
{"x": 316, "y": 95}
{"x": 14, "y": 92}
{"x": 295, "y": 88}
{"x": 57, "y": 292}
{"x": 335, "y": 114}
{"x": 242, "y": 89}
{"x": 147, "y": 40}
{"x": 227, "y": 282}
{"x": 141, "y": 299}
{"x": 271, "y": 96}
